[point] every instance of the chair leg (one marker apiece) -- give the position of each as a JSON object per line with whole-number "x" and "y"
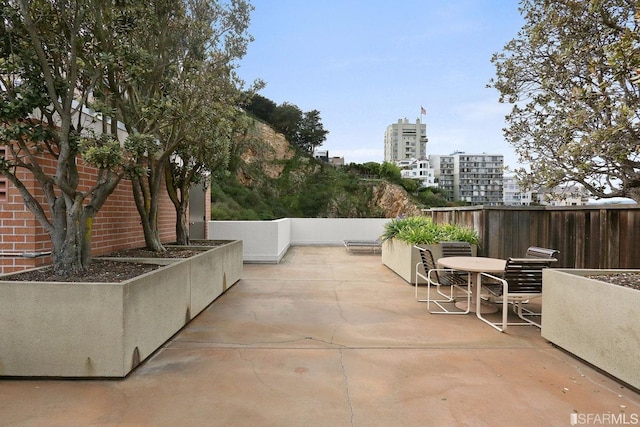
{"x": 501, "y": 327}
{"x": 451, "y": 298}
{"x": 447, "y": 298}
{"x": 418, "y": 276}
{"x": 520, "y": 312}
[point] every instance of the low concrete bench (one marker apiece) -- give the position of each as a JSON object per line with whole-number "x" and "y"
{"x": 363, "y": 245}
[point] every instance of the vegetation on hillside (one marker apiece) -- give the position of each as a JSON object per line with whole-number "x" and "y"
{"x": 308, "y": 188}
{"x": 303, "y": 130}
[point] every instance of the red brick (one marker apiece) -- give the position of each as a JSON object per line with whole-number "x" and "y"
{"x": 116, "y": 226}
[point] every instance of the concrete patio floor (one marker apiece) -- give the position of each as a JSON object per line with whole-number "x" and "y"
{"x": 327, "y": 338}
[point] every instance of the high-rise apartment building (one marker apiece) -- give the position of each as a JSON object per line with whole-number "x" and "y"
{"x": 478, "y": 178}
{"x": 444, "y": 171}
{"x": 404, "y": 141}
{"x": 471, "y": 178}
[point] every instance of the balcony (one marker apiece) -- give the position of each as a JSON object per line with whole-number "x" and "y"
{"x": 321, "y": 337}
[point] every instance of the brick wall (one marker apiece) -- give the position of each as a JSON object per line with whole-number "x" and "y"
{"x": 116, "y": 226}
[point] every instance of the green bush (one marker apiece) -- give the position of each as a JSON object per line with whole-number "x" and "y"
{"x": 417, "y": 230}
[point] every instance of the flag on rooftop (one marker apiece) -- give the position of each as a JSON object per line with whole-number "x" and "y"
{"x": 422, "y": 110}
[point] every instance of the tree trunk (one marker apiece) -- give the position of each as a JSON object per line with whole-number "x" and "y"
{"x": 182, "y": 225}
{"x": 179, "y": 195}
{"x": 152, "y": 237}
{"x": 146, "y": 192}
{"x": 71, "y": 242}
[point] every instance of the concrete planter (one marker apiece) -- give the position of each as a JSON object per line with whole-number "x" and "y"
{"x": 58, "y": 329}
{"x": 595, "y": 320}
{"x": 402, "y": 257}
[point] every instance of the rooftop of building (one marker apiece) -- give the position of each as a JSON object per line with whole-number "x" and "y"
{"x": 329, "y": 338}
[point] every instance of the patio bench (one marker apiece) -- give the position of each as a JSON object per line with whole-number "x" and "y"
{"x": 363, "y": 245}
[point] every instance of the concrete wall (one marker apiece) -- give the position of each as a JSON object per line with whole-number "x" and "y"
{"x": 594, "y": 320}
{"x": 268, "y": 241}
{"x": 333, "y": 231}
{"x": 263, "y": 241}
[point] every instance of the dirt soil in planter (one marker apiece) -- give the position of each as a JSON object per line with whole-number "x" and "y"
{"x": 99, "y": 270}
{"x": 630, "y": 280}
{"x": 146, "y": 253}
{"x": 106, "y": 271}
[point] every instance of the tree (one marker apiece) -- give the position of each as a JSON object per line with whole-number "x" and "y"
{"x": 203, "y": 118}
{"x": 311, "y": 134}
{"x": 204, "y": 154}
{"x": 303, "y": 130}
{"x": 572, "y": 74}
{"x": 261, "y": 107}
{"x": 390, "y": 172}
{"x": 286, "y": 119}
{"x": 177, "y": 55}
{"x": 48, "y": 67}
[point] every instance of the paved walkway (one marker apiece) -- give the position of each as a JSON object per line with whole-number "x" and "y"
{"x": 331, "y": 339}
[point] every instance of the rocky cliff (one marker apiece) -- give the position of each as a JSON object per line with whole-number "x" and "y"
{"x": 393, "y": 200}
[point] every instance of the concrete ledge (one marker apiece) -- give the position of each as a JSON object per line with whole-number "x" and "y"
{"x": 51, "y": 329}
{"x": 268, "y": 241}
{"x": 594, "y": 320}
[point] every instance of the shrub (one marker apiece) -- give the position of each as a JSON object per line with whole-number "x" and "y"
{"x": 417, "y": 230}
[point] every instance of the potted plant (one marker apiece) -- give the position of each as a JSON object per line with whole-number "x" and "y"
{"x": 594, "y": 316}
{"x": 402, "y": 234}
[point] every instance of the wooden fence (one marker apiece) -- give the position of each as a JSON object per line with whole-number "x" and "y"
{"x": 587, "y": 236}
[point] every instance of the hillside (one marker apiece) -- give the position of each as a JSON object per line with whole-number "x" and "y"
{"x": 270, "y": 179}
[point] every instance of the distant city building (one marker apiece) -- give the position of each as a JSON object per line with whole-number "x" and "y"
{"x": 418, "y": 169}
{"x": 336, "y": 161}
{"x": 323, "y": 155}
{"x": 473, "y": 178}
{"x": 405, "y": 141}
{"x": 564, "y": 195}
{"x": 514, "y": 195}
{"x": 478, "y": 178}
{"x": 443, "y": 167}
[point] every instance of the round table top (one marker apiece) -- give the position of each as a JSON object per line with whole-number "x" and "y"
{"x": 476, "y": 264}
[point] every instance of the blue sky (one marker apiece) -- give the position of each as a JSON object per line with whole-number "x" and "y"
{"x": 366, "y": 64}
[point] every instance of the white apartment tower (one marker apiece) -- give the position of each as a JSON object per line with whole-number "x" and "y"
{"x": 404, "y": 141}
{"x": 478, "y": 178}
{"x": 473, "y": 178}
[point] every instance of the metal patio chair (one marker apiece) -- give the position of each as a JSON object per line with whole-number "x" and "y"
{"x": 542, "y": 253}
{"x": 456, "y": 249}
{"x": 521, "y": 282}
{"x": 441, "y": 279}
